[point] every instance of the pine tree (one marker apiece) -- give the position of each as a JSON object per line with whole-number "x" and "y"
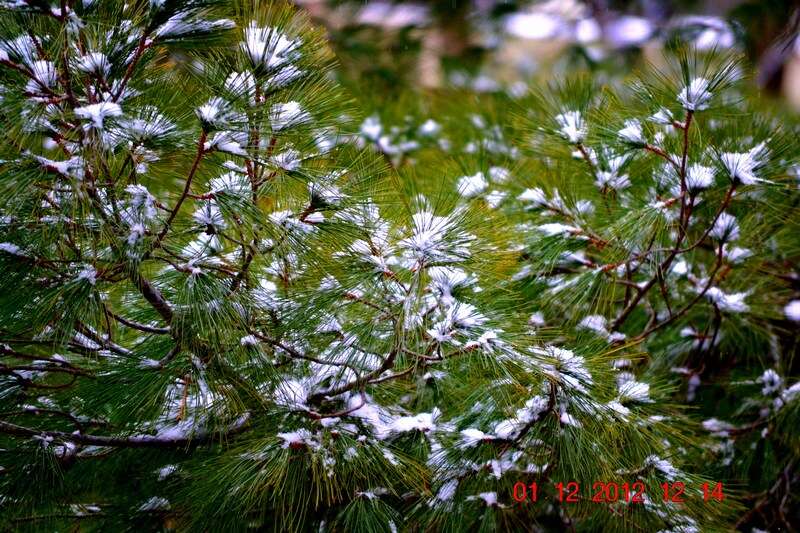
{"x": 593, "y": 184}
{"x": 226, "y": 306}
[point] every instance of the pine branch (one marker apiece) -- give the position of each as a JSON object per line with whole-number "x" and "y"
{"x": 138, "y": 326}
{"x": 134, "y": 441}
{"x": 186, "y": 188}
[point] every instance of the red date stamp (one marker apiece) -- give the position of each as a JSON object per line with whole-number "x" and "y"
{"x": 611, "y": 492}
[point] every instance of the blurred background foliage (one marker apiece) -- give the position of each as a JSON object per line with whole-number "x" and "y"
{"x": 492, "y": 45}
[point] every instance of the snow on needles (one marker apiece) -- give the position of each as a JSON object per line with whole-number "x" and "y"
{"x": 97, "y": 113}
{"x": 572, "y": 126}
{"x": 696, "y": 95}
{"x": 435, "y": 238}
{"x": 268, "y": 47}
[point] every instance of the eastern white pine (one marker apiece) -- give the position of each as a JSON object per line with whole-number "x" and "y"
{"x": 232, "y": 299}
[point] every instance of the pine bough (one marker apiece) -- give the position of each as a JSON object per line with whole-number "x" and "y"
{"x": 219, "y": 313}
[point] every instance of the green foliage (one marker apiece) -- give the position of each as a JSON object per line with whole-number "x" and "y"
{"x": 229, "y": 301}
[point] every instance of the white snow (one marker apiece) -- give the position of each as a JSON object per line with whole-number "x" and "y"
{"x": 88, "y": 273}
{"x": 771, "y": 380}
{"x": 569, "y": 420}
{"x": 291, "y": 392}
{"x": 10, "y": 248}
{"x": 618, "y": 408}
{"x": 430, "y": 128}
{"x": 489, "y": 498}
{"x": 327, "y": 192}
{"x": 287, "y": 220}
{"x": 789, "y": 395}
{"x": 240, "y": 84}
{"x": 792, "y": 310}
{"x": 556, "y": 228}
{"x": 248, "y": 340}
{"x": 632, "y": 132}
{"x": 635, "y": 391}
{"x": 699, "y": 177}
{"x": 429, "y": 240}
{"x": 536, "y": 319}
{"x": 97, "y": 113}
{"x": 743, "y": 166}
{"x": 663, "y": 116}
{"x": 423, "y": 422}
{"x": 530, "y": 412}
{"x": 181, "y": 24}
{"x": 471, "y": 437}
{"x": 301, "y": 437}
{"x": 569, "y": 369}
{"x": 717, "y": 427}
{"x": 663, "y": 466}
{"x": 733, "y": 302}
{"x": 141, "y": 200}
{"x": 137, "y": 232}
{"x": 166, "y": 471}
{"x": 573, "y": 127}
{"x": 268, "y": 46}
{"x": 695, "y": 96}
{"x": 447, "y": 491}
{"x": 735, "y": 254}
{"x": 72, "y": 167}
{"x": 45, "y": 74}
{"x": 289, "y": 160}
{"x": 94, "y": 62}
{"x": 725, "y": 228}
{"x": 233, "y": 183}
{"x": 230, "y": 142}
{"x": 596, "y": 323}
{"x": 288, "y": 114}
{"x": 470, "y": 186}
{"x": 499, "y": 174}
{"x": 209, "y": 215}
{"x": 212, "y": 112}
{"x": 371, "y": 128}
{"x": 391, "y": 15}
{"x": 535, "y": 196}
{"x": 155, "y": 504}
{"x": 612, "y": 177}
